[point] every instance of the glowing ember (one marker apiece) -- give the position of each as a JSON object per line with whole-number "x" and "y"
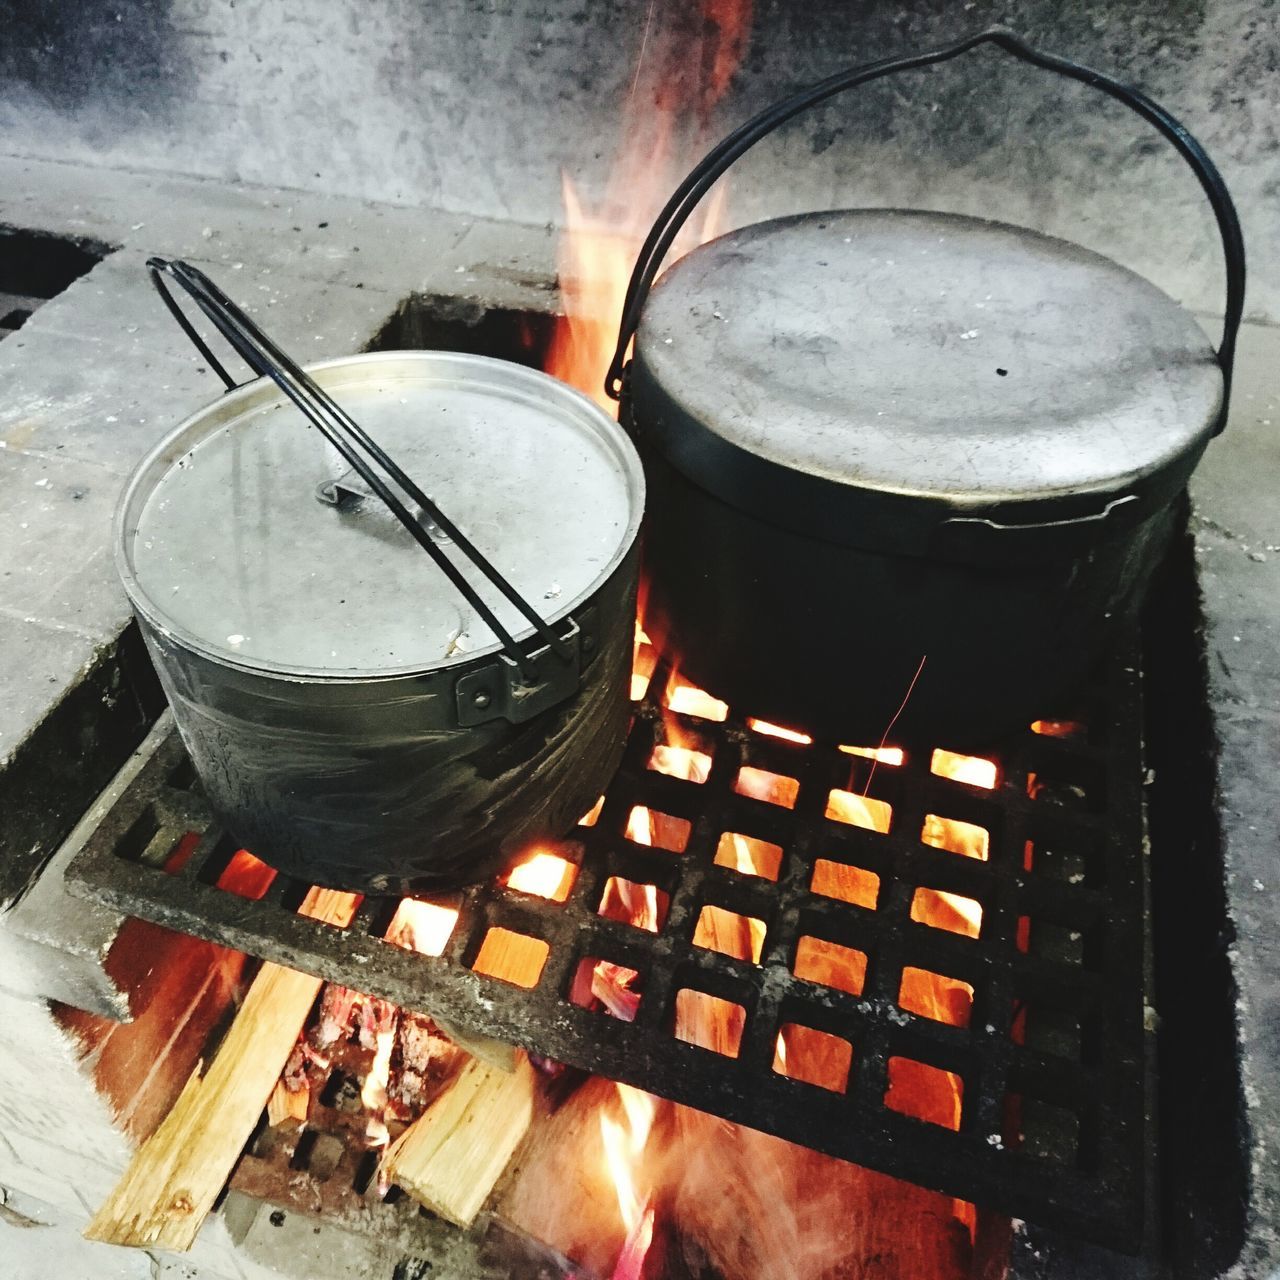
{"x": 965, "y": 838}
{"x": 773, "y": 788}
{"x": 246, "y": 876}
{"x": 947, "y": 911}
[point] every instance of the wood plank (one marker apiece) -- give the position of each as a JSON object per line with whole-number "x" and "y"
{"x": 287, "y": 1104}
{"x": 453, "y": 1155}
{"x": 175, "y": 1176}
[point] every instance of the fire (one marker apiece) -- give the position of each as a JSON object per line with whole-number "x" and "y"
{"x": 595, "y": 260}
{"x": 597, "y": 253}
{"x": 683, "y": 69}
{"x": 681, "y": 762}
{"x": 776, "y": 731}
{"x": 859, "y": 811}
{"x": 545, "y": 875}
{"x": 624, "y": 1141}
{"x": 971, "y": 769}
{"x": 245, "y": 876}
{"x": 882, "y": 755}
{"x": 687, "y": 699}
{"x": 624, "y": 1144}
{"x": 373, "y": 1093}
{"x": 424, "y": 927}
{"x": 965, "y": 838}
{"x": 644, "y": 659}
{"x": 595, "y": 263}
{"x": 626, "y": 900}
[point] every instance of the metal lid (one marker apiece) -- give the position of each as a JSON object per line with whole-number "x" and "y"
{"x": 224, "y": 543}
{"x": 920, "y": 382}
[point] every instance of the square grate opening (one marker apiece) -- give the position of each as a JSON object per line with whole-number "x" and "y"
{"x": 926, "y": 963}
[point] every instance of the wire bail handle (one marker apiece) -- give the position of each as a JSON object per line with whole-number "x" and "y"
{"x": 718, "y": 160}
{"x": 267, "y": 360}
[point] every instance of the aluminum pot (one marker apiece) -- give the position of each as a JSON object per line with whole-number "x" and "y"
{"x": 351, "y": 718}
{"x": 908, "y": 471}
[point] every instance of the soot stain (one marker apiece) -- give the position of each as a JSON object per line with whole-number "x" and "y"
{"x": 961, "y": 110}
{"x": 121, "y": 55}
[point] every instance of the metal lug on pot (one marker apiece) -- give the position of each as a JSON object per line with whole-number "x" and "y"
{"x": 349, "y": 492}
{"x": 499, "y": 692}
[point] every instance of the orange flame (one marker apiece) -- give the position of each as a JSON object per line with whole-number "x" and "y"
{"x": 624, "y": 1144}
{"x": 595, "y": 260}
{"x": 683, "y": 69}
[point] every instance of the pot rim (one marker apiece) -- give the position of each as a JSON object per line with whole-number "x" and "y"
{"x": 193, "y": 428}
{"x": 788, "y": 453}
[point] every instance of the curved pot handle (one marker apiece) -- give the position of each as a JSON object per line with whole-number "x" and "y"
{"x": 715, "y": 163}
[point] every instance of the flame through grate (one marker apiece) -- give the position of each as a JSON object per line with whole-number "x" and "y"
{"x": 986, "y": 949}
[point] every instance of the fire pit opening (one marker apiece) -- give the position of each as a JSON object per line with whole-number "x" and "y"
{"x": 1203, "y": 1151}
{"x": 36, "y": 266}
{"x": 429, "y": 322}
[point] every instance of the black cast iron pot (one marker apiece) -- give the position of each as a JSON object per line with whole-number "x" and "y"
{"x": 907, "y": 471}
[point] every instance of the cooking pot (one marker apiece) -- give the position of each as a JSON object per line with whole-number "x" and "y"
{"x": 908, "y": 470}
{"x": 358, "y": 716}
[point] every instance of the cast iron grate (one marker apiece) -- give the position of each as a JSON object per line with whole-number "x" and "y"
{"x": 1048, "y": 1058}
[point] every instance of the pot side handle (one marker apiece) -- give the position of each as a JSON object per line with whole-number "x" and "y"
{"x": 718, "y": 160}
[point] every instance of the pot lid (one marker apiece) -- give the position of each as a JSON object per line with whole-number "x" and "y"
{"x": 225, "y": 539}
{"x": 885, "y": 378}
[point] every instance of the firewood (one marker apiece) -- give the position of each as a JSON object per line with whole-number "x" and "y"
{"x": 287, "y": 1104}
{"x": 497, "y": 1053}
{"x": 176, "y": 1175}
{"x": 453, "y": 1155}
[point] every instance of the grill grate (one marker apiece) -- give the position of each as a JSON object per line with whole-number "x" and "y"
{"x": 1050, "y": 1065}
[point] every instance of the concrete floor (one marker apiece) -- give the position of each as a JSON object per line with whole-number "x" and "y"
{"x": 35, "y": 1245}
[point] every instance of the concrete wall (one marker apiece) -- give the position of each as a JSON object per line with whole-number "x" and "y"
{"x": 476, "y": 105}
